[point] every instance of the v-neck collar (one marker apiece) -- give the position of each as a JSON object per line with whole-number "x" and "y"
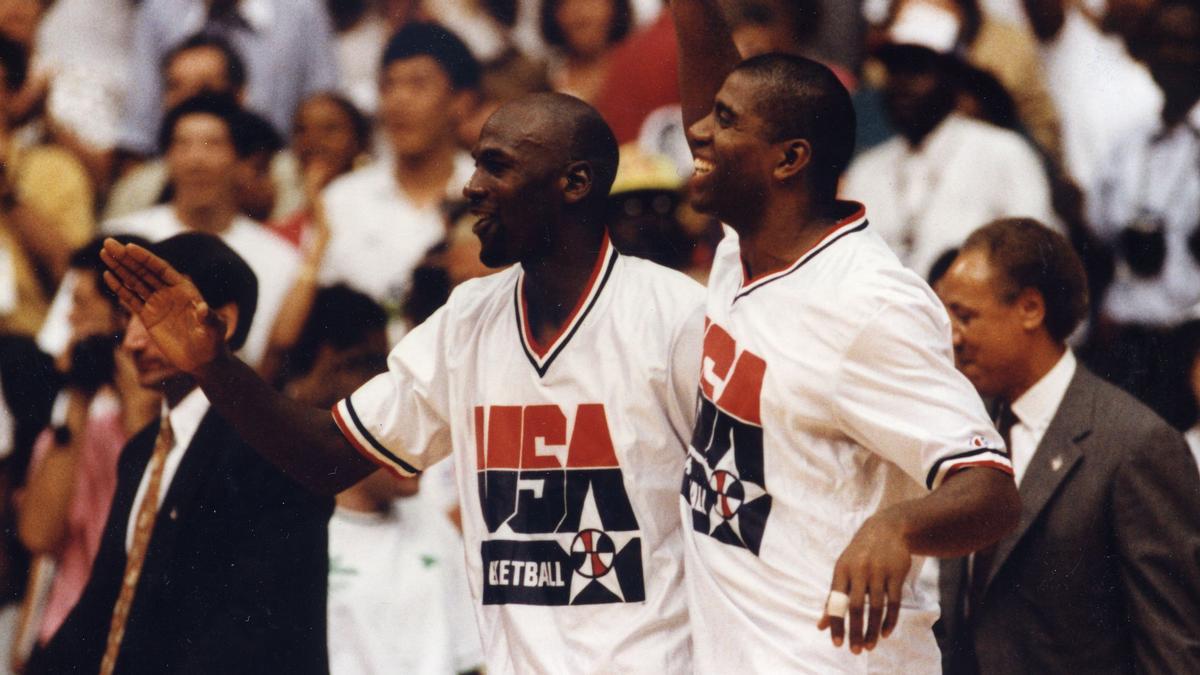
{"x": 539, "y": 355}
{"x": 855, "y": 222}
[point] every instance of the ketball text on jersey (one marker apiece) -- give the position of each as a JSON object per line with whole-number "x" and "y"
{"x": 724, "y": 481}
{"x": 561, "y": 529}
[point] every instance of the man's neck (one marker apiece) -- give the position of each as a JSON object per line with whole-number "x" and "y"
{"x": 1043, "y": 355}
{"x": 783, "y": 233}
{"x": 177, "y": 389}
{"x": 554, "y": 285}
{"x": 1176, "y": 109}
{"x": 425, "y": 178}
{"x": 210, "y": 218}
{"x": 918, "y": 136}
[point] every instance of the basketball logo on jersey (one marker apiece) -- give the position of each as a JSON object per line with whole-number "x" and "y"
{"x": 563, "y": 531}
{"x": 723, "y": 479}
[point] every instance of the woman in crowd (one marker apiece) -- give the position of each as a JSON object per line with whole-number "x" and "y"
{"x": 583, "y": 32}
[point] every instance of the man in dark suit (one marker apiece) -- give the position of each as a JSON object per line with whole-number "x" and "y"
{"x": 1101, "y": 575}
{"x": 228, "y": 574}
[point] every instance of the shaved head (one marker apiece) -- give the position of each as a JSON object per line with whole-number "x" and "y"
{"x": 566, "y": 128}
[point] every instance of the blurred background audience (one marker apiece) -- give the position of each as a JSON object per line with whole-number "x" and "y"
{"x": 328, "y": 141}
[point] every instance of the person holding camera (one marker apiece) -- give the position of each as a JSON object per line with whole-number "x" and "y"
{"x": 74, "y": 469}
{"x": 1147, "y": 207}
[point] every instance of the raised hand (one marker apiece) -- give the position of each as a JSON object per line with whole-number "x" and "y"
{"x": 188, "y": 332}
{"x": 867, "y": 579}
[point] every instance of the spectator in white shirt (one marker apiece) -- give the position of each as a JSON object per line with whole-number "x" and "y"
{"x": 1148, "y": 209}
{"x": 203, "y": 139}
{"x": 385, "y": 216}
{"x": 944, "y": 174}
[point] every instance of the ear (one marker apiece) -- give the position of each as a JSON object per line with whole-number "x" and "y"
{"x": 577, "y": 182}
{"x": 229, "y": 314}
{"x": 1031, "y": 308}
{"x": 797, "y": 155}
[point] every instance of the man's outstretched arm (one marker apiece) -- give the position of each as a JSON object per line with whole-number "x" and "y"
{"x": 706, "y": 55}
{"x": 301, "y": 440}
{"x": 970, "y": 510}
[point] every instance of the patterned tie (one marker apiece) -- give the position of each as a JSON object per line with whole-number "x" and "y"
{"x": 146, "y": 515}
{"x": 982, "y": 561}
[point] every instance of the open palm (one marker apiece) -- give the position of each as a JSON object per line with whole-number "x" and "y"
{"x": 187, "y": 331}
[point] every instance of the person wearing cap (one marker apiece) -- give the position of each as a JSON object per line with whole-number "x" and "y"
{"x": 386, "y": 215}
{"x": 944, "y": 174}
{"x": 212, "y": 560}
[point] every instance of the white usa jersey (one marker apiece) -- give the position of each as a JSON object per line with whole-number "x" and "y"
{"x": 828, "y": 391}
{"x": 567, "y": 461}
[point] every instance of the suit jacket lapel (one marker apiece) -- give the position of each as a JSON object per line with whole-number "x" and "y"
{"x": 193, "y": 472}
{"x": 1054, "y": 459}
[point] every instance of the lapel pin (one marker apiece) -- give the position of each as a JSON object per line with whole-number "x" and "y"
{"x": 1056, "y": 463}
{"x": 175, "y": 512}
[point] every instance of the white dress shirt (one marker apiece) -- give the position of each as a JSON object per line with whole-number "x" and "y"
{"x": 185, "y": 419}
{"x": 1154, "y": 175}
{"x": 1035, "y": 409}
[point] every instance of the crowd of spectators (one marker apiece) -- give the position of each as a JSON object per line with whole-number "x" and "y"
{"x": 327, "y": 142}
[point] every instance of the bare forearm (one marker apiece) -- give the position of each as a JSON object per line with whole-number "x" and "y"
{"x": 706, "y": 55}
{"x": 42, "y": 521}
{"x": 301, "y": 440}
{"x": 972, "y": 509}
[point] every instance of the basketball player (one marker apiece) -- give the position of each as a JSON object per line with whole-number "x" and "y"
{"x": 564, "y": 388}
{"x": 835, "y": 438}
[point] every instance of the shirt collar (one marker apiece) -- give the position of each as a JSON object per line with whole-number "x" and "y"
{"x": 186, "y": 416}
{"x": 1036, "y": 407}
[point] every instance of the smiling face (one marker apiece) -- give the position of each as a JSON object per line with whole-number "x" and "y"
{"x": 990, "y": 340}
{"x": 733, "y": 159}
{"x": 516, "y": 190}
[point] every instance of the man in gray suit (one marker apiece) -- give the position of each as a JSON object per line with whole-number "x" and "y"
{"x": 1101, "y": 575}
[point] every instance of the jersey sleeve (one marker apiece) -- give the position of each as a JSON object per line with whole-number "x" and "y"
{"x": 898, "y": 394}
{"x": 684, "y": 377}
{"x": 399, "y": 419}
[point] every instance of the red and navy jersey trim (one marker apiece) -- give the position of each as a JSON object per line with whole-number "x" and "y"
{"x": 541, "y": 356}
{"x": 359, "y": 432}
{"x": 988, "y": 457}
{"x": 856, "y": 222}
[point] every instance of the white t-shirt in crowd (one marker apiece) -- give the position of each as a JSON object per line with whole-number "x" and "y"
{"x": 828, "y": 392}
{"x": 963, "y": 175}
{"x": 398, "y": 598}
{"x": 274, "y": 261}
{"x": 377, "y": 235}
{"x": 1152, "y": 182}
{"x": 1100, "y": 92}
{"x": 567, "y": 458}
